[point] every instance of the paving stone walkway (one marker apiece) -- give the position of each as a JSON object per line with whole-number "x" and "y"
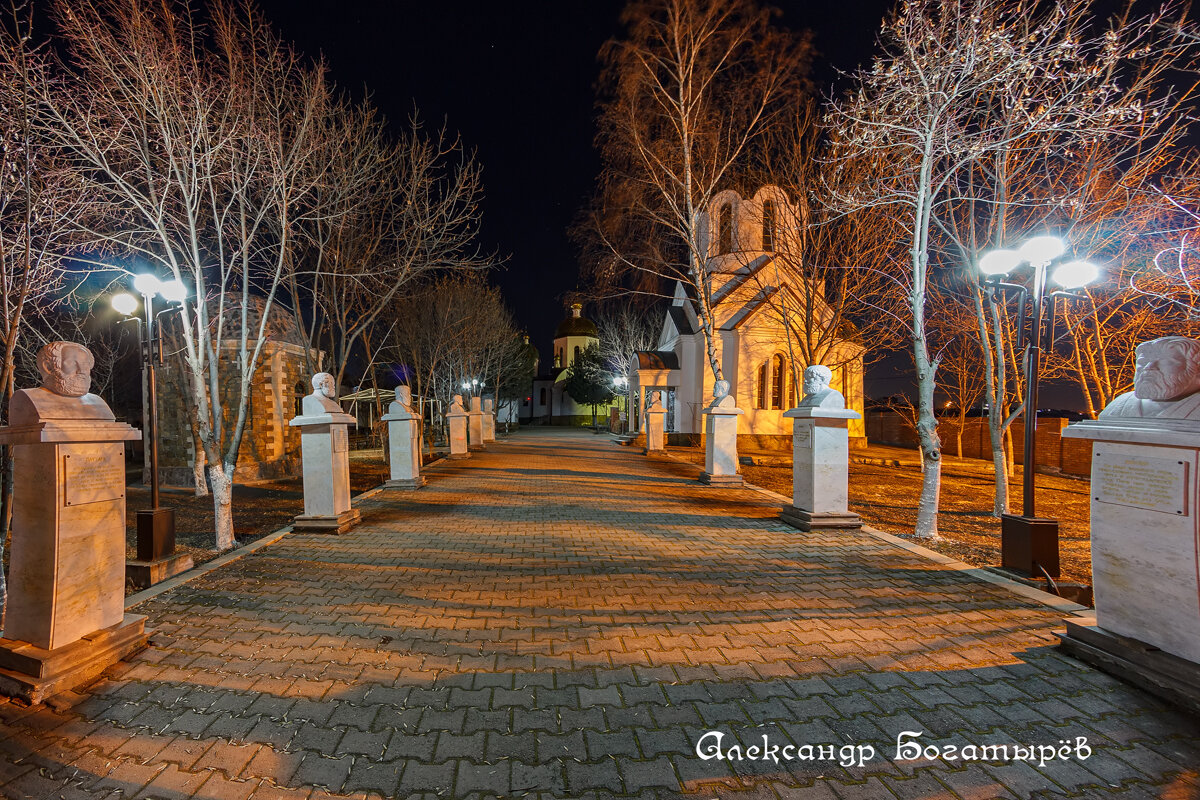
{"x": 563, "y": 617}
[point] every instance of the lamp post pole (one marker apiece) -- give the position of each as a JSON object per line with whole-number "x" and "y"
{"x": 1033, "y": 359}
{"x": 151, "y": 401}
{"x": 155, "y": 525}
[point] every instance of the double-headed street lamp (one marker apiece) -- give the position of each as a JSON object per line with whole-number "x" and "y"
{"x": 1027, "y": 541}
{"x": 156, "y": 525}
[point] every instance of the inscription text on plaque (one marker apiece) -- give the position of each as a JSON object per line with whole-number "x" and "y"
{"x": 91, "y": 475}
{"x": 1155, "y": 484}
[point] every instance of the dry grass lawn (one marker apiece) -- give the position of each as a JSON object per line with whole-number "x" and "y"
{"x": 886, "y": 498}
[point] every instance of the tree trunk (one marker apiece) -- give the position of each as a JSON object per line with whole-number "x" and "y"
{"x": 996, "y": 434}
{"x": 931, "y": 447}
{"x": 222, "y": 492}
{"x": 199, "y": 461}
{"x": 6, "y": 478}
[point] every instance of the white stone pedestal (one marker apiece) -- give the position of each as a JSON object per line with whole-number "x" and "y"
{"x": 325, "y": 454}
{"x": 475, "y": 425}
{"x": 404, "y": 447}
{"x": 1144, "y": 532}
{"x": 820, "y": 468}
{"x": 456, "y": 421}
{"x": 720, "y": 445}
{"x": 656, "y": 419}
{"x": 66, "y": 619}
{"x": 489, "y": 421}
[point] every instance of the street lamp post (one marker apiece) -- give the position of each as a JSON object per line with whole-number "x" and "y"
{"x": 1027, "y": 542}
{"x": 156, "y": 525}
{"x": 620, "y": 384}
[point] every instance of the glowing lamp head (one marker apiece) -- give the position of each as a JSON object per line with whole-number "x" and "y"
{"x": 999, "y": 262}
{"x": 1042, "y": 249}
{"x": 124, "y": 303}
{"x": 147, "y": 284}
{"x": 1076, "y": 274}
{"x": 173, "y": 291}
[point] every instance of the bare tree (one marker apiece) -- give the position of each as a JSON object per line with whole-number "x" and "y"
{"x": 957, "y": 83}
{"x": 685, "y": 98}
{"x": 625, "y": 326}
{"x": 821, "y": 284}
{"x": 387, "y": 210}
{"x": 204, "y": 136}
{"x": 41, "y": 206}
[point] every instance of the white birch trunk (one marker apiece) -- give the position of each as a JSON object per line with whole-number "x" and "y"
{"x": 222, "y": 492}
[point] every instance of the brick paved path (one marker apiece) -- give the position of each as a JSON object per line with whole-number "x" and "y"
{"x": 561, "y": 616}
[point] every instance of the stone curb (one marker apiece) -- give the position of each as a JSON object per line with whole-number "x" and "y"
{"x": 981, "y": 573}
{"x": 233, "y": 555}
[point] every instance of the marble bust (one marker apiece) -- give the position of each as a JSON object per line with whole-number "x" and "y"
{"x": 817, "y": 393}
{"x": 1166, "y": 382}
{"x": 456, "y": 405}
{"x": 721, "y": 396}
{"x": 323, "y": 399}
{"x": 654, "y": 401}
{"x": 66, "y": 369}
{"x": 403, "y": 402}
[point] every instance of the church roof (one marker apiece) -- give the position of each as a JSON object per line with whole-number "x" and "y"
{"x": 281, "y": 323}
{"x": 657, "y": 359}
{"x": 576, "y": 325}
{"x": 681, "y": 321}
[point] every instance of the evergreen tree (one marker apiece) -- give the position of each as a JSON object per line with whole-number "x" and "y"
{"x": 588, "y": 382}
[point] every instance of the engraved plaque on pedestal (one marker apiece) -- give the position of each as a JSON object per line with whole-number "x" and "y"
{"x": 91, "y": 475}
{"x": 1138, "y": 481}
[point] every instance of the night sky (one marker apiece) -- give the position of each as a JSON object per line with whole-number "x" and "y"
{"x": 516, "y": 80}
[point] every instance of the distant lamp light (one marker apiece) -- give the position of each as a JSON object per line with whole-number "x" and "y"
{"x": 999, "y": 262}
{"x": 1042, "y": 249}
{"x": 173, "y": 291}
{"x": 124, "y": 303}
{"x": 147, "y": 284}
{"x": 1076, "y": 274}
{"x": 466, "y": 385}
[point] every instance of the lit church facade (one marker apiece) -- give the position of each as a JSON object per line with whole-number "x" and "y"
{"x": 751, "y": 300}
{"x": 551, "y": 403}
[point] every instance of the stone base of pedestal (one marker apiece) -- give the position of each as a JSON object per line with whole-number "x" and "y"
{"x": 144, "y": 574}
{"x": 32, "y": 674}
{"x": 406, "y": 483}
{"x": 808, "y": 520}
{"x": 721, "y": 480}
{"x": 475, "y": 448}
{"x": 458, "y": 456}
{"x": 1145, "y": 666}
{"x": 327, "y": 524}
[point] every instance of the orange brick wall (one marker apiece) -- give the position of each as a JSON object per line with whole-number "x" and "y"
{"x": 1054, "y": 453}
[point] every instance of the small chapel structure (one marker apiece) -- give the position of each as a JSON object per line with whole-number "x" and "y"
{"x": 270, "y": 449}
{"x": 551, "y": 404}
{"x": 743, "y": 237}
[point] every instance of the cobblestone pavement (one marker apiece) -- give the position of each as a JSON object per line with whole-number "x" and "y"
{"x": 563, "y": 617}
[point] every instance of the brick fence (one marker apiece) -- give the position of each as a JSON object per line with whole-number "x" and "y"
{"x": 1054, "y": 453}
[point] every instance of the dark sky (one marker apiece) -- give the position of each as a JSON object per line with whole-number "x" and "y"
{"x": 516, "y": 80}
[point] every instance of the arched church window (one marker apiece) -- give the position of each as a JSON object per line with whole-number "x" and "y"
{"x": 725, "y": 229}
{"x": 768, "y": 226}
{"x": 576, "y": 354}
{"x": 761, "y": 394}
{"x": 778, "y": 376}
{"x": 300, "y": 393}
{"x": 542, "y": 396}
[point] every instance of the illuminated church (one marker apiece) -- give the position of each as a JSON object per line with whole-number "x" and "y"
{"x": 750, "y": 299}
